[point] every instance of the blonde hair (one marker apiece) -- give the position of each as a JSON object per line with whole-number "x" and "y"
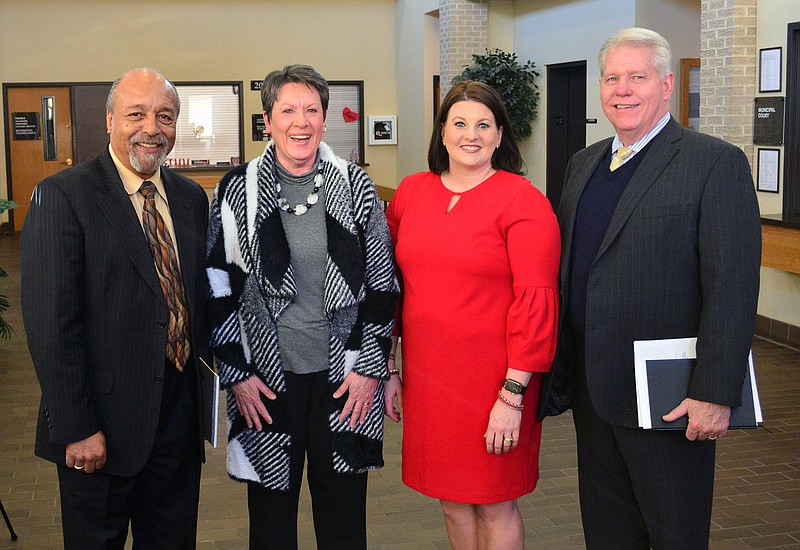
{"x": 638, "y": 37}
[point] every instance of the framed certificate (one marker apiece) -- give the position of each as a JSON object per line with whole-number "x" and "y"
{"x": 769, "y": 70}
{"x": 768, "y": 170}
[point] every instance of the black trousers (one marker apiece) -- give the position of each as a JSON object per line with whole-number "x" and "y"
{"x": 338, "y": 501}
{"x": 640, "y": 489}
{"x": 160, "y": 502}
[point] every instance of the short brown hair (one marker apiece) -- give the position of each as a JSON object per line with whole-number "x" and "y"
{"x": 301, "y": 74}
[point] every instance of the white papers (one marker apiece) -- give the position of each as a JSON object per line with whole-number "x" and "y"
{"x": 209, "y": 384}
{"x": 663, "y": 374}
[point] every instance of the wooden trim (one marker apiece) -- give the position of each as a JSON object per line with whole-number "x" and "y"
{"x": 205, "y": 178}
{"x": 385, "y": 193}
{"x": 686, "y": 64}
{"x": 780, "y": 248}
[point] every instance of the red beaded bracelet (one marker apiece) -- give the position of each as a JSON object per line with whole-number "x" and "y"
{"x": 505, "y": 401}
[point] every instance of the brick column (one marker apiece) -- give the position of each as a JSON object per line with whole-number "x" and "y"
{"x": 463, "y": 31}
{"x": 728, "y": 71}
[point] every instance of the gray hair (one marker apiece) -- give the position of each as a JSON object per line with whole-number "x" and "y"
{"x": 300, "y": 74}
{"x": 112, "y": 93}
{"x": 637, "y": 37}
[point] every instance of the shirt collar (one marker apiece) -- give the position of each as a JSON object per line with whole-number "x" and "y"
{"x": 644, "y": 140}
{"x": 133, "y": 182}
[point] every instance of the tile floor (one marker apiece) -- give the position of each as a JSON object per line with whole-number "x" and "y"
{"x": 756, "y": 505}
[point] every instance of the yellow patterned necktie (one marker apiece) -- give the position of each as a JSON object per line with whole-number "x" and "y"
{"x": 166, "y": 262}
{"x": 619, "y": 158}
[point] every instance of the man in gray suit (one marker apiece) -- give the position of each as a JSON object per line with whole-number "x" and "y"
{"x": 661, "y": 239}
{"x": 113, "y": 299}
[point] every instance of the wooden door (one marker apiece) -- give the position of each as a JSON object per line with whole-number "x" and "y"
{"x": 40, "y": 140}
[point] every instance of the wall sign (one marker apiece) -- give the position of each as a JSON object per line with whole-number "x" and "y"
{"x": 255, "y": 85}
{"x": 768, "y": 121}
{"x": 26, "y": 126}
{"x": 259, "y": 128}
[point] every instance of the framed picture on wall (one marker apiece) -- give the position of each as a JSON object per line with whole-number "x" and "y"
{"x": 768, "y": 170}
{"x": 382, "y": 130}
{"x": 769, "y": 70}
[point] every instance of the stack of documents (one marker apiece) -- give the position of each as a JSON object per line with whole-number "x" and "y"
{"x": 663, "y": 374}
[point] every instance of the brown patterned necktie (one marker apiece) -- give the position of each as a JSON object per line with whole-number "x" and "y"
{"x": 166, "y": 262}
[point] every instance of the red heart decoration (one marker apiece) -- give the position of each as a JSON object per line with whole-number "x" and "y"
{"x": 349, "y": 116}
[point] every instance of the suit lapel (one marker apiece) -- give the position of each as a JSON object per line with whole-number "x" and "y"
{"x": 116, "y": 206}
{"x": 661, "y": 151}
{"x": 578, "y": 175}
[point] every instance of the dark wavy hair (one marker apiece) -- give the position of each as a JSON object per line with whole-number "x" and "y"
{"x": 299, "y": 74}
{"x": 506, "y": 157}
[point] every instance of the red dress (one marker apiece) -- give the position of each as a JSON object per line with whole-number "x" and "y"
{"x": 480, "y": 294}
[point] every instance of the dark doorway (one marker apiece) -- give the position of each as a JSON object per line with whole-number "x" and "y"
{"x": 791, "y": 178}
{"x": 89, "y": 119}
{"x": 566, "y": 121}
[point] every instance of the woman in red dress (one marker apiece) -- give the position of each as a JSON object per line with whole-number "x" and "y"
{"x": 478, "y": 250}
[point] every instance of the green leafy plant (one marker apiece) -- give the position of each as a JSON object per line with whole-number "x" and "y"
{"x": 515, "y": 83}
{"x": 5, "y": 329}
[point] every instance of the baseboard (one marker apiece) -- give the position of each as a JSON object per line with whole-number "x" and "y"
{"x": 778, "y": 331}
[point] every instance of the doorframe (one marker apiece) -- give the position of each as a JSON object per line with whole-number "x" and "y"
{"x": 8, "y": 226}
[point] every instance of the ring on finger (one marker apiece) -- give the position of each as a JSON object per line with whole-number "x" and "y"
{"x": 712, "y": 437}
{"x": 508, "y": 440}
{"x": 78, "y": 467}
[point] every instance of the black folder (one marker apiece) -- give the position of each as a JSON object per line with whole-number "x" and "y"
{"x": 666, "y": 375}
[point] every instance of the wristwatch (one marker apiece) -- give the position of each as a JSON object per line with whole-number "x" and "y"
{"x": 514, "y": 387}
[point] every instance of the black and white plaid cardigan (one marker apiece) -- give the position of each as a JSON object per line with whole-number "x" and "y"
{"x": 251, "y": 278}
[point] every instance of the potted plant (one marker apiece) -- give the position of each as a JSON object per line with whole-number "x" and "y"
{"x": 5, "y": 329}
{"x": 515, "y": 83}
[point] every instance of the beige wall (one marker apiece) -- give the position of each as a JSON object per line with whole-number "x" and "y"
{"x": 679, "y": 22}
{"x": 417, "y": 32}
{"x": 780, "y": 291}
{"x": 417, "y": 60}
{"x": 553, "y": 31}
{"x": 90, "y": 40}
{"x": 390, "y": 44}
{"x": 773, "y": 17}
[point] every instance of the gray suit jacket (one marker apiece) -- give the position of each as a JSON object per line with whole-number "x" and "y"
{"x": 680, "y": 258}
{"x": 94, "y": 311}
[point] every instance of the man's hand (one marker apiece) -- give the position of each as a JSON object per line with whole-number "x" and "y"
{"x": 248, "y": 398}
{"x": 706, "y": 420}
{"x": 87, "y": 454}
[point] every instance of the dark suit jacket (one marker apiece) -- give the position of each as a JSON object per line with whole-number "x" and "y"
{"x": 95, "y": 314}
{"x": 680, "y": 258}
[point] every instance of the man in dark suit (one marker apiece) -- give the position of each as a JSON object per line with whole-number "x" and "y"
{"x": 663, "y": 244}
{"x": 113, "y": 294}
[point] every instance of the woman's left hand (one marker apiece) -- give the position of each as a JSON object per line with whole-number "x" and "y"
{"x": 393, "y": 400}
{"x": 361, "y": 390}
{"x": 502, "y": 434}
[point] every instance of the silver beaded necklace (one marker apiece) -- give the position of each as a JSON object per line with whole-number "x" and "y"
{"x": 311, "y": 200}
